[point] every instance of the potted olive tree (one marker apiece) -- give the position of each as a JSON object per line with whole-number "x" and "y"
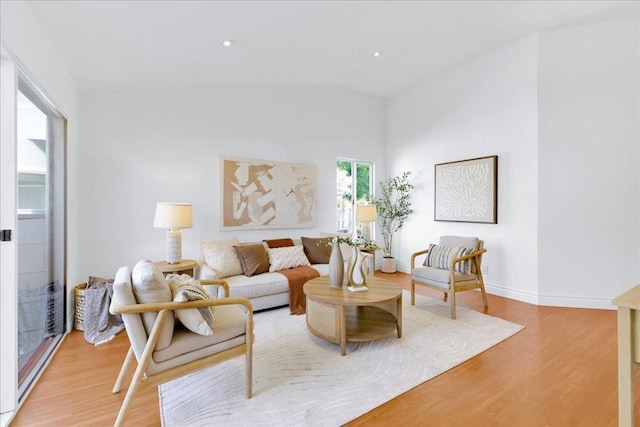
{"x": 394, "y": 207}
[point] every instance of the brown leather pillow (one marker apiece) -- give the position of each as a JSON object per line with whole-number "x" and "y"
{"x": 317, "y": 249}
{"x": 279, "y": 243}
{"x": 253, "y": 258}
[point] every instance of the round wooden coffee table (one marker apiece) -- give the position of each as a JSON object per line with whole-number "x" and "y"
{"x": 338, "y": 315}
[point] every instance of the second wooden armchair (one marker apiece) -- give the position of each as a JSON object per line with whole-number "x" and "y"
{"x": 452, "y": 266}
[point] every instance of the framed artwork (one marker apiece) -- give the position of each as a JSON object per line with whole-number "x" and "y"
{"x": 262, "y": 194}
{"x": 467, "y": 191}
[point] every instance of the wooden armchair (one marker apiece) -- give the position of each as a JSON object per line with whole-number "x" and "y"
{"x": 187, "y": 352}
{"x": 456, "y": 267}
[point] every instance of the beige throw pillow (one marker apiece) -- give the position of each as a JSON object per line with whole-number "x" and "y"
{"x": 287, "y": 257}
{"x": 185, "y": 288}
{"x": 219, "y": 255}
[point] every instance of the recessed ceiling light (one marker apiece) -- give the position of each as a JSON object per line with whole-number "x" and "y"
{"x": 227, "y": 43}
{"x": 375, "y": 54}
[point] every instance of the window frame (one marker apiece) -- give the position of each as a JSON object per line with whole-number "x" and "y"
{"x": 353, "y": 226}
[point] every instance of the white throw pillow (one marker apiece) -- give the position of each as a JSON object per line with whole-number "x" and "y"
{"x": 185, "y": 288}
{"x": 287, "y": 257}
{"x": 150, "y": 286}
{"x": 220, "y": 255}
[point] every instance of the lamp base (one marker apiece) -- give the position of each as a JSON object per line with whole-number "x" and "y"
{"x": 174, "y": 246}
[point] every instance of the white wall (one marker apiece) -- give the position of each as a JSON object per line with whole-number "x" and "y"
{"x": 561, "y": 110}
{"x": 589, "y": 151}
{"x": 485, "y": 107}
{"x": 142, "y": 147}
{"x": 31, "y": 49}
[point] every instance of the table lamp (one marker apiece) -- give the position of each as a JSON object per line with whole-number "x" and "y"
{"x": 367, "y": 214}
{"x": 173, "y": 217}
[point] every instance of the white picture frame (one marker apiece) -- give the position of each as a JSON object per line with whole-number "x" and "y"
{"x": 467, "y": 191}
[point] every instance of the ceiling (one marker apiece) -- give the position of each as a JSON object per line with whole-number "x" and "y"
{"x": 121, "y": 44}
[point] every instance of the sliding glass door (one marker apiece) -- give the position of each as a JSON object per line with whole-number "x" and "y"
{"x": 32, "y": 219}
{"x": 40, "y": 289}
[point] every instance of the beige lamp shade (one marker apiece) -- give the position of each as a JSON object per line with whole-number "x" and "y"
{"x": 173, "y": 216}
{"x": 366, "y": 213}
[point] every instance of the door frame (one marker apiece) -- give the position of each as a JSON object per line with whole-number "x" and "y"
{"x": 8, "y": 221}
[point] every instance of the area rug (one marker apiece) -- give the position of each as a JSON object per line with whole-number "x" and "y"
{"x": 301, "y": 380}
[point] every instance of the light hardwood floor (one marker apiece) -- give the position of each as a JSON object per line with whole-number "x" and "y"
{"x": 561, "y": 370}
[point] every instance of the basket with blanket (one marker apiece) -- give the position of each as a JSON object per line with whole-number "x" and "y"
{"x": 92, "y": 316}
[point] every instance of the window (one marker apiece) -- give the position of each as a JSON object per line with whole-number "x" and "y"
{"x": 346, "y": 182}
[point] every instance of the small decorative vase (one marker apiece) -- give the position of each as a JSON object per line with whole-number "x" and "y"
{"x": 357, "y": 263}
{"x": 336, "y": 266}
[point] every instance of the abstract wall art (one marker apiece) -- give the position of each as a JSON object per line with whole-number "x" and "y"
{"x": 263, "y": 194}
{"x": 467, "y": 190}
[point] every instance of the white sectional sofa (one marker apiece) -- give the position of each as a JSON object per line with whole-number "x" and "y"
{"x": 264, "y": 290}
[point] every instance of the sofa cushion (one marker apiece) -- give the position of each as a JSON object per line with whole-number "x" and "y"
{"x": 440, "y": 256}
{"x": 317, "y": 250}
{"x": 150, "y": 286}
{"x": 279, "y": 243}
{"x": 253, "y": 258}
{"x": 185, "y": 288}
{"x": 287, "y": 257}
{"x": 219, "y": 255}
{"x": 254, "y": 286}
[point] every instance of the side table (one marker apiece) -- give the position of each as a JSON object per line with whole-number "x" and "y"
{"x": 185, "y": 266}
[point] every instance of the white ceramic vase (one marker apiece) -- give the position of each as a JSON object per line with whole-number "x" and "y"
{"x": 336, "y": 266}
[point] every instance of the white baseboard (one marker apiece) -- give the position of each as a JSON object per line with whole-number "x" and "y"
{"x": 537, "y": 299}
{"x": 514, "y": 294}
{"x": 576, "y": 302}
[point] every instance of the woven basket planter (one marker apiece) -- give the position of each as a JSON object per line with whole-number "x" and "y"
{"x": 78, "y": 296}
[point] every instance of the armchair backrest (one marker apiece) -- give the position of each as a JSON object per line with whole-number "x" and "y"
{"x": 465, "y": 242}
{"x": 123, "y": 295}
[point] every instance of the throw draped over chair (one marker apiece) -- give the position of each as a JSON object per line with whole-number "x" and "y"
{"x": 184, "y": 352}
{"x": 451, "y": 269}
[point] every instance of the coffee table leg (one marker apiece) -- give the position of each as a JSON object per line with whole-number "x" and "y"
{"x": 399, "y": 314}
{"x": 342, "y": 325}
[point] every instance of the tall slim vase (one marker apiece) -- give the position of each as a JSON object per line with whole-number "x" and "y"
{"x": 336, "y": 266}
{"x": 357, "y": 263}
